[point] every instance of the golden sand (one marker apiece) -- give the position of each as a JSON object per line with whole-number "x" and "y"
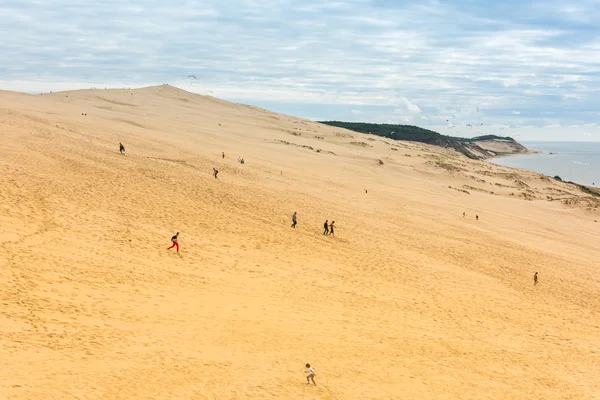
{"x": 409, "y": 300}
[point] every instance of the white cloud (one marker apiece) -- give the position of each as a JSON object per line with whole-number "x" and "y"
{"x": 408, "y": 106}
{"x": 386, "y": 59}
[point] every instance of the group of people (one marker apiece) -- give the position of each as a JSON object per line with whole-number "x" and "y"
{"x": 329, "y": 227}
{"x": 476, "y": 216}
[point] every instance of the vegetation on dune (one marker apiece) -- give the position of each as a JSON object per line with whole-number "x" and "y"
{"x": 585, "y": 189}
{"x": 485, "y": 137}
{"x": 396, "y": 132}
{"x": 416, "y": 134}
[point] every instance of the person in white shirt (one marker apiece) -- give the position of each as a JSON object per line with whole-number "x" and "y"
{"x": 311, "y": 374}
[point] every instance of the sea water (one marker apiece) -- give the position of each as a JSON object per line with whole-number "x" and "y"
{"x": 572, "y": 161}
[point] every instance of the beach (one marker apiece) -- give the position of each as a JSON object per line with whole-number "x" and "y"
{"x": 409, "y": 300}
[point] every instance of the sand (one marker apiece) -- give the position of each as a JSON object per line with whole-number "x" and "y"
{"x": 409, "y": 300}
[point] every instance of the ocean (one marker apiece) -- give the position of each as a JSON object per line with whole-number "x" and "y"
{"x": 572, "y": 161}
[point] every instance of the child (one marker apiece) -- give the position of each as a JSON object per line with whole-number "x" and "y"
{"x": 331, "y": 228}
{"x": 311, "y": 374}
{"x": 174, "y": 241}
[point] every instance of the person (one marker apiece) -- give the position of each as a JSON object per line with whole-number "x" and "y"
{"x": 477, "y": 217}
{"x": 242, "y": 161}
{"x": 331, "y": 228}
{"x": 175, "y": 242}
{"x": 464, "y": 214}
{"x": 223, "y": 155}
{"x": 121, "y": 148}
{"x": 326, "y": 226}
{"x": 215, "y": 173}
{"x": 311, "y": 374}
{"x": 294, "y": 220}
{"x": 535, "y": 279}
{"x": 239, "y": 158}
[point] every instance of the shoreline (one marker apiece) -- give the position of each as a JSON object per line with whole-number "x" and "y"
{"x": 591, "y": 188}
{"x": 507, "y": 155}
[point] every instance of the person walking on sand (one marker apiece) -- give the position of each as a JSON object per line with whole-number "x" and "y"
{"x": 477, "y": 217}
{"x": 311, "y": 374}
{"x": 535, "y": 279}
{"x": 464, "y": 214}
{"x": 223, "y": 155}
{"x": 215, "y": 172}
{"x": 175, "y": 242}
{"x": 326, "y": 226}
{"x": 331, "y": 227}
{"x": 121, "y": 148}
{"x": 294, "y": 220}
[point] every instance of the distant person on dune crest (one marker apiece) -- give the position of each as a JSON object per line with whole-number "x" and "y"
{"x": 223, "y": 155}
{"x": 294, "y": 220}
{"x": 464, "y": 214}
{"x": 326, "y": 226}
{"x": 174, "y": 240}
{"x": 121, "y": 148}
{"x": 215, "y": 172}
{"x": 311, "y": 374}
{"x": 535, "y": 279}
{"x": 477, "y": 217}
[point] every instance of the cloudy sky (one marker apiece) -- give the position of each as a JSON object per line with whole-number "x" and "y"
{"x": 531, "y": 67}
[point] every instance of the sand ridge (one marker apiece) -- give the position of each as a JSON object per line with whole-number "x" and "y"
{"x": 409, "y": 300}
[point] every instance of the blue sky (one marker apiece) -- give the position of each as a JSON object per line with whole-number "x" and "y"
{"x": 531, "y": 68}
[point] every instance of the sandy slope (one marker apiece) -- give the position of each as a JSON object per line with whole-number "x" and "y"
{"x": 409, "y": 301}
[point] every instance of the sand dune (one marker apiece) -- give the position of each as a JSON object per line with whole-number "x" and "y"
{"x": 408, "y": 301}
